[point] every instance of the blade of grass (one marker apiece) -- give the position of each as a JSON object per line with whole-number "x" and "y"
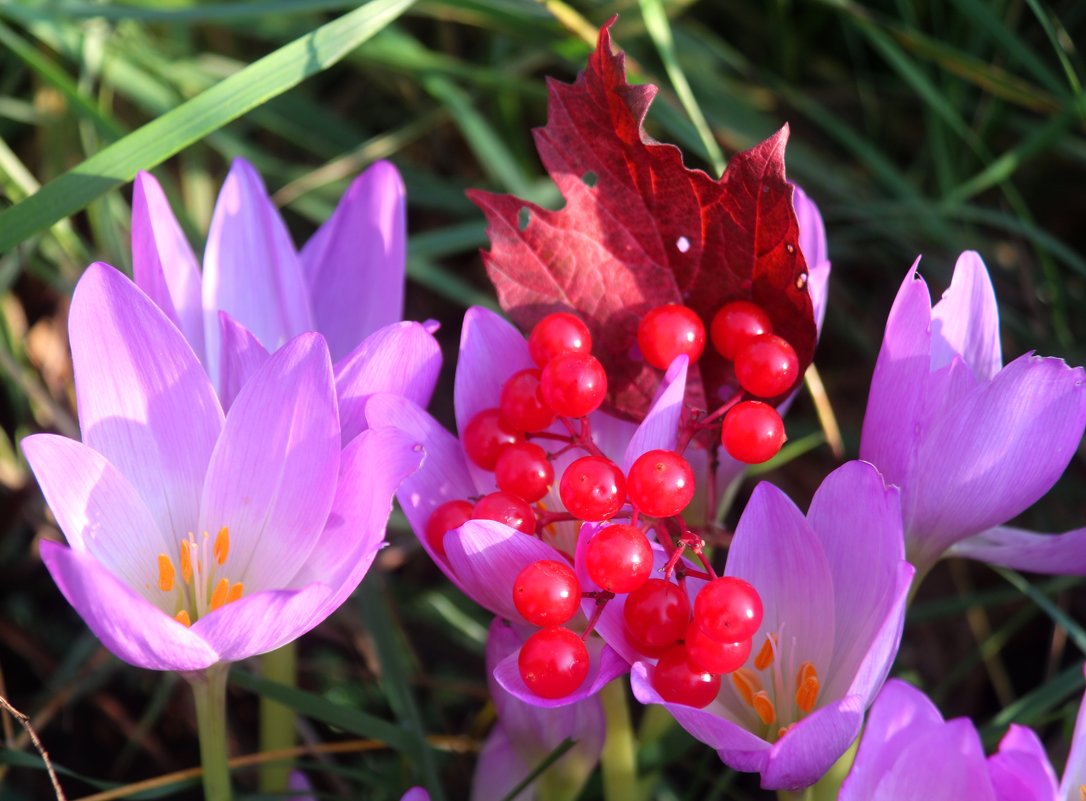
{"x": 194, "y": 119}
{"x": 545, "y": 763}
{"x": 1074, "y": 631}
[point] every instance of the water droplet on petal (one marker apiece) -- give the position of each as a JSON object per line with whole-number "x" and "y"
{"x": 683, "y": 244}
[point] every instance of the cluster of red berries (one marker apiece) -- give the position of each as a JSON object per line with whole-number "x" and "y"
{"x": 567, "y": 384}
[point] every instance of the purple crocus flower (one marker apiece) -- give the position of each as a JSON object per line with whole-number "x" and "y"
{"x": 905, "y": 730}
{"x": 971, "y": 442}
{"x": 526, "y": 734}
{"x": 833, "y": 586}
{"x": 256, "y": 291}
{"x": 199, "y": 538}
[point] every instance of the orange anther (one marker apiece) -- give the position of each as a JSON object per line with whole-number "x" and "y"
{"x": 807, "y": 694}
{"x": 182, "y": 617}
{"x": 764, "y": 707}
{"x": 783, "y": 730}
{"x": 222, "y": 545}
{"x": 221, "y": 593}
{"x": 765, "y": 656}
{"x": 235, "y": 592}
{"x": 806, "y": 670}
{"x": 165, "y": 573}
{"x": 747, "y": 683}
{"x": 186, "y": 561}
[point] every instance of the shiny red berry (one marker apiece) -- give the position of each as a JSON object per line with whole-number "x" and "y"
{"x": 619, "y": 558}
{"x": 656, "y": 616}
{"x": 766, "y": 366}
{"x": 522, "y": 406}
{"x": 450, "y": 515}
{"x": 752, "y": 432}
{"x": 485, "y": 437}
{"x": 728, "y": 609}
{"x": 669, "y": 331}
{"x": 592, "y": 488}
{"x": 660, "y": 483}
{"x": 735, "y": 323}
{"x": 547, "y": 593}
{"x": 708, "y": 655}
{"x": 505, "y": 507}
{"x": 558, "y": 333}
{"x": 678, "y": 683}
{"x": 553, "y": 662}
{"x": 573, "y": 384}
{"x": 524, "y": 469}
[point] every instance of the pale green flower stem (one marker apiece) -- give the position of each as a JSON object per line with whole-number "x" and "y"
{"x": 277, "y": 720}
{"x": 795, "y": 795}
{"x": 209, "y": 690}
{"x": 619, "y": 758}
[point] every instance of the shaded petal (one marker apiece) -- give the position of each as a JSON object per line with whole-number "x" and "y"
{"x": 966, "y": 321}
{"x": 1074, "y": 775}
{"x": 145, "y": 402}
{"x": 611, "y": 435}
{"x": 416, "y": 794}
{"x": 491, "y": 350}
{"x": 354, "y": 265}
{"x": 660, "y": 428}
{"x": 811, "y": 746}
{"x": 1021, "y": 769}
{"x": 999, "y": 450}
{"x": 272, "y": 477}
{"x": 777, "y": 552}
{"x": 163, "y": 264}
{"x": 370, "y": 470}
{"x": 240, "y": 355}
{"x": 443, "y": 475}
{"x": 1057, "y": 554}
{"x": 858, "y": 520}
{"x": 892, "y": 422}
{"x": 127, "y": 623}
{"x": 402, "y": 358}
{"x": 486, "y": 557}
{"x": 812, "y": 243}
{"x": 499, "y": 769}
{"x": 263, "y": 622}
{"x": 98, "y": 509}
{"x": 604, "y": 666}
{"x": 250, "y": 267}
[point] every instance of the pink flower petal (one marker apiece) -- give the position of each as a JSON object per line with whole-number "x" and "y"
{"x": 605, "y": 666}
{"x": 1055, "y": 554}
{"x": 660, "y": 428}
{"x": 241, "y": 354}
{"x": 966, "y": 321}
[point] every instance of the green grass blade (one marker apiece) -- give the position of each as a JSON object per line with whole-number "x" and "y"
{"x": 205, "y": 113}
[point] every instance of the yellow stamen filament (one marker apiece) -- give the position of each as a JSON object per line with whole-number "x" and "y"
{"x": 186, "y": 561}
{"x": 235, "y": 592}
{"x": 764, "y": 707}
{"x": 765, "y": 656}
{"x": 165, "y": 573}
{"x": 220, "y": 595}
{"x": 222, "y": 545}
{"x": 747, "y": 684}
{"x": 182, "y": 617}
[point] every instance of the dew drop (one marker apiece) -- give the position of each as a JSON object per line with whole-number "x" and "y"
{"x": 790, "y": 248}
{"x": 801, "y": 281}
{"x": 683, "y": 244}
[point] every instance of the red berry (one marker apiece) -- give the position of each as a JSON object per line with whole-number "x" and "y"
{"x": 547, "y": 593}
{"x": 450, "y": 515}
{"x": 558, "y": 333}
{"x": 619, "y": 558}
{"x": 728, "y": 609}
{"x": 766, "y": 366}
{"x": 485, "y": 437}
{"x": 553, "y": 662}
{"x": 660, "y": 483}
{"x": 573, "y": 384}
{"x": 753, "y": 432}
{"x": 707, "y": 654}
{"x": 734, "y": 324}
{"x": 593, "y": 488}
{"x": 669, "y": 331}
{"x": 522, "y": 407}
{"x": 505, "y": 507}
{"x": 656, "y": 616}
{"x": 524, "y": 469}
{"x": 679, "y": 683}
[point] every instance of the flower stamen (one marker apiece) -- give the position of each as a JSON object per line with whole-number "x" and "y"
{"x": 747, "y": 683}
{"x": 165, "y": 573}
{"x": 182, "y": 617}
{"x": 764, "y": 707}
{"x": 765, "y": 656}
{"x": 222, "y": 545}
{"x": 221, "y": 594}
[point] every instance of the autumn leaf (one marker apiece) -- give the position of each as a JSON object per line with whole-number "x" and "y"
{"x": 639, "y": 230}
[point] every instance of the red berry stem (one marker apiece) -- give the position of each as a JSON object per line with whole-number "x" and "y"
{"x": 597, "y": 594}
{"x": 687, "y": 572}
{"x": 583, "y": 438}
{"x": 601, "y": 604}
{"x": 697, "y": 545}
{"x": 544, "y": 519}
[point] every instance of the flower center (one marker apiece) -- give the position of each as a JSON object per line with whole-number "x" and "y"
{"x": 202, "y": 588}
{"x": 780, "y": 694}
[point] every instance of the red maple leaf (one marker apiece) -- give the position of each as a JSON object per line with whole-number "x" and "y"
{"x": 640, "y": 230}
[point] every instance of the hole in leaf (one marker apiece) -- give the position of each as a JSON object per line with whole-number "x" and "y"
{"x": 589, "y": 179}
{"x": 524, "y": 216}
